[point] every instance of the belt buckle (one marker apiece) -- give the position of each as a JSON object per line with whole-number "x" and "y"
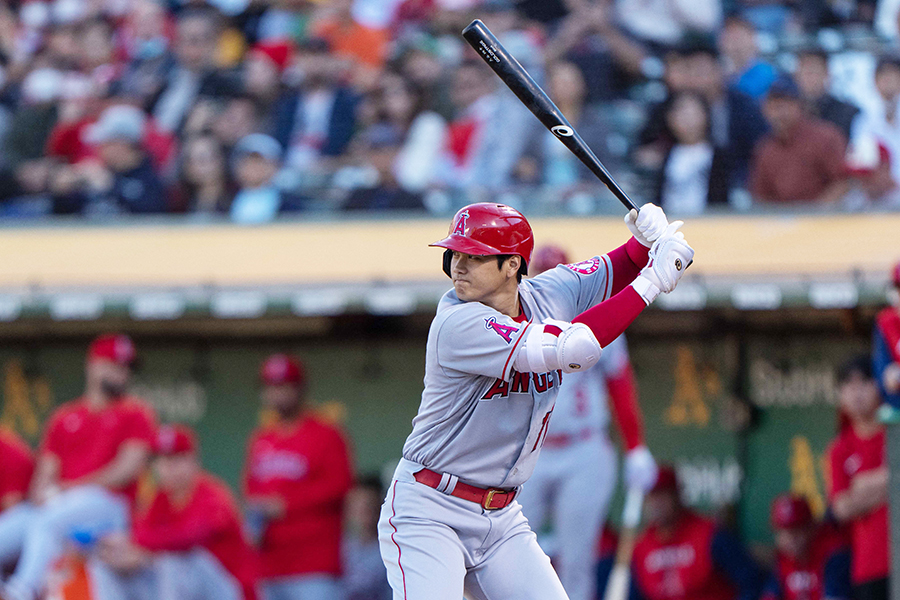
{"x": 486, "y": 503}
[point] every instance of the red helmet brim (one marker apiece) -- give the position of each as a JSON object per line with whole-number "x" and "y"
{"x": 466, "y": 246}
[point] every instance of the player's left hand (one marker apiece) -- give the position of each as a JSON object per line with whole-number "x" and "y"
{"x": 640, "y": 469}
{"x": 647, "y": 225}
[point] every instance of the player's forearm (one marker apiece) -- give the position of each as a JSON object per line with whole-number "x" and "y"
{"x": 851, "y": 504}
{"x": 124, "y": 469}
{"x": 627, "y": 261}
{"x": 46, "y": 476}
{"x": 609, "y": 319}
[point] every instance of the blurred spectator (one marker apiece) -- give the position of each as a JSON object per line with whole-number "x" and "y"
{"x": 365, "y": 47}
{"x": 812, "y": 79}
{"x": 319, "y": 125}
{"x": 882, "y": 121}
{"x": 365, "y": 577}
{"x": 423, "y": 132}
{"x": 488, "y": 135}
{"x": 147, "y": 50}
{"x": 607, "y": 58}
{"x": 682, "y": 555}
{"x": 188, "y": 543}
{"x": 16, "y": 467}
{"x": 255, "y": 162}
{"x": 886, "y": 344}
{"x": 695, "y": 174}
{"x": 859, "y": 478}
{"x": 377, "y": 151}
{"x": 230, "y": 120}
{"x": 193, "y": 73}
{"x": 29, "y": 130}
{"x": 264, "y": 67}
{"x": 747, "y": 72}
{"x": 873, "y": 184}
{"x": 296, "y": 477}
{"x": 203, "y": 186}
{"x": 736, "y": 123}
{"x": 560, "y": 168}
{"x": 812, "y": 561}
{"x": 803, "y": 158}
{"x": 662, "y": 24}
{"x": 124, "y": 178}
{"x": 85, "y": 479}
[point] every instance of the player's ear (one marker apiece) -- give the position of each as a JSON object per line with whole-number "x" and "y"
{"x": 513, "y": 264}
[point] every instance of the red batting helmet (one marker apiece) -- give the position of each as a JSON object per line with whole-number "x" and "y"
{"x": 666, "y": 479}
{"x": 489, "y": 228}
{"x": 281, "y": 369}
{"x": 175, "y": 439}
{"x": 789, "y": 512}
{"x": 114, "y": 347}
{"x": 548, "y": 257}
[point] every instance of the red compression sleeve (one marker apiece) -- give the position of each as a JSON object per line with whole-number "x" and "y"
{"x": 623, "y": 397}
{"x": 627, "y": 261}
{"x": 609, "y": 319}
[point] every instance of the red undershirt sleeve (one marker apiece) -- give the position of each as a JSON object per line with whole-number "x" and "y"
{"x": 624, "y": 401}
{"x": 609, "y": 319}
{"x": 627, "y": 261}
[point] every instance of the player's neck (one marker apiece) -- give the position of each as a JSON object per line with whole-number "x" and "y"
{"x": 866, "y": 428}
{"x": 505, "y": 301}
{"x": 96, "y": 399}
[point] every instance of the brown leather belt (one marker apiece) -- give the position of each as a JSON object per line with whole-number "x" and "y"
{"x": 488, "y": 498}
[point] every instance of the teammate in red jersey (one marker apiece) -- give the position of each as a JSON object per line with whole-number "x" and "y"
{"x": 859, "y": 479}
{"x": 85, "y": 479}
{"x": 812, "y": 561}
{"x": 886, "y": 344}
{"x": 16, "y": 467}
{"x": 188, "y": 544}
{"x": 684, "y": 556}
{"x": 296, "y": 476}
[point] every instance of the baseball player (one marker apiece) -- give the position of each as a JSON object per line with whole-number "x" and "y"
{"x": 682, "y": 555}
{"x": 85, "y": 478}
{"x": 16, "y": 467}
{"x": 188, "y": 544}
{"x": 859, "y": 479}
{"x": 886, "y": 344}
{"x": 812, "y": 561}
{"x": 297, "y": 475}
{"x": 574, "y": 480}
{"x": 497, "y": 352}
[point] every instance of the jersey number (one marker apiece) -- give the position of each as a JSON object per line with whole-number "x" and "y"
{"x": 542, "y": 433}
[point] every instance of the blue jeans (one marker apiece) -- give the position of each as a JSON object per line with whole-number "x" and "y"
{"x": 303, "y": 587}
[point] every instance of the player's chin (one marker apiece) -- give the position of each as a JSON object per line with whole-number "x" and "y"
{"x": 463, "y": 290}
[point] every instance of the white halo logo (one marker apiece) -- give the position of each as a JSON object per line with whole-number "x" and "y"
{"x": 563, "y": 131}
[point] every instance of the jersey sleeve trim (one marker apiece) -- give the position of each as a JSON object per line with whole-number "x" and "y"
{"x": 507, "y": 367}
{"x": 607, "y": 264}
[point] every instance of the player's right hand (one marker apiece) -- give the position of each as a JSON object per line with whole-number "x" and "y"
{"x": 647, "y": 225}
{"x": 670, "y": 256}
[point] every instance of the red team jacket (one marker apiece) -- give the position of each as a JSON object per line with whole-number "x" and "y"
{"x": 16, "y": 466}
{"x": 850, "y": 455}
{"x": 809, "y": 579}
{"x": 85, "y": 440}
{"x": 306, "y": 463}
{"x": 210, "y": 519}
{"x": 680, "y": 568}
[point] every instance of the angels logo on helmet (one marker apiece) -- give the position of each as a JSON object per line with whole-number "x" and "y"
{"x": 585, "y": 267}
{"x": 460, "y": 228}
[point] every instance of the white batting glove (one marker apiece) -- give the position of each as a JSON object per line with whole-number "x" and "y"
{"x": 670, "y": 256}
{"x": 647, "y": 225}
{"x": 640, "y": 469}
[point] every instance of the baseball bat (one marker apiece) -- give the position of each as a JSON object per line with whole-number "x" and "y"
{"x": 530, "y": 93}
{"x": 619, "y": 579}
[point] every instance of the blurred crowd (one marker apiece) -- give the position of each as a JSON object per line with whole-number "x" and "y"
{"x": 113, "y": 506}
{"x": 253, "y": 108}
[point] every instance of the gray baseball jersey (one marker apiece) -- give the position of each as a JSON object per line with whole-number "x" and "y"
{"x": 479, "y": 419}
